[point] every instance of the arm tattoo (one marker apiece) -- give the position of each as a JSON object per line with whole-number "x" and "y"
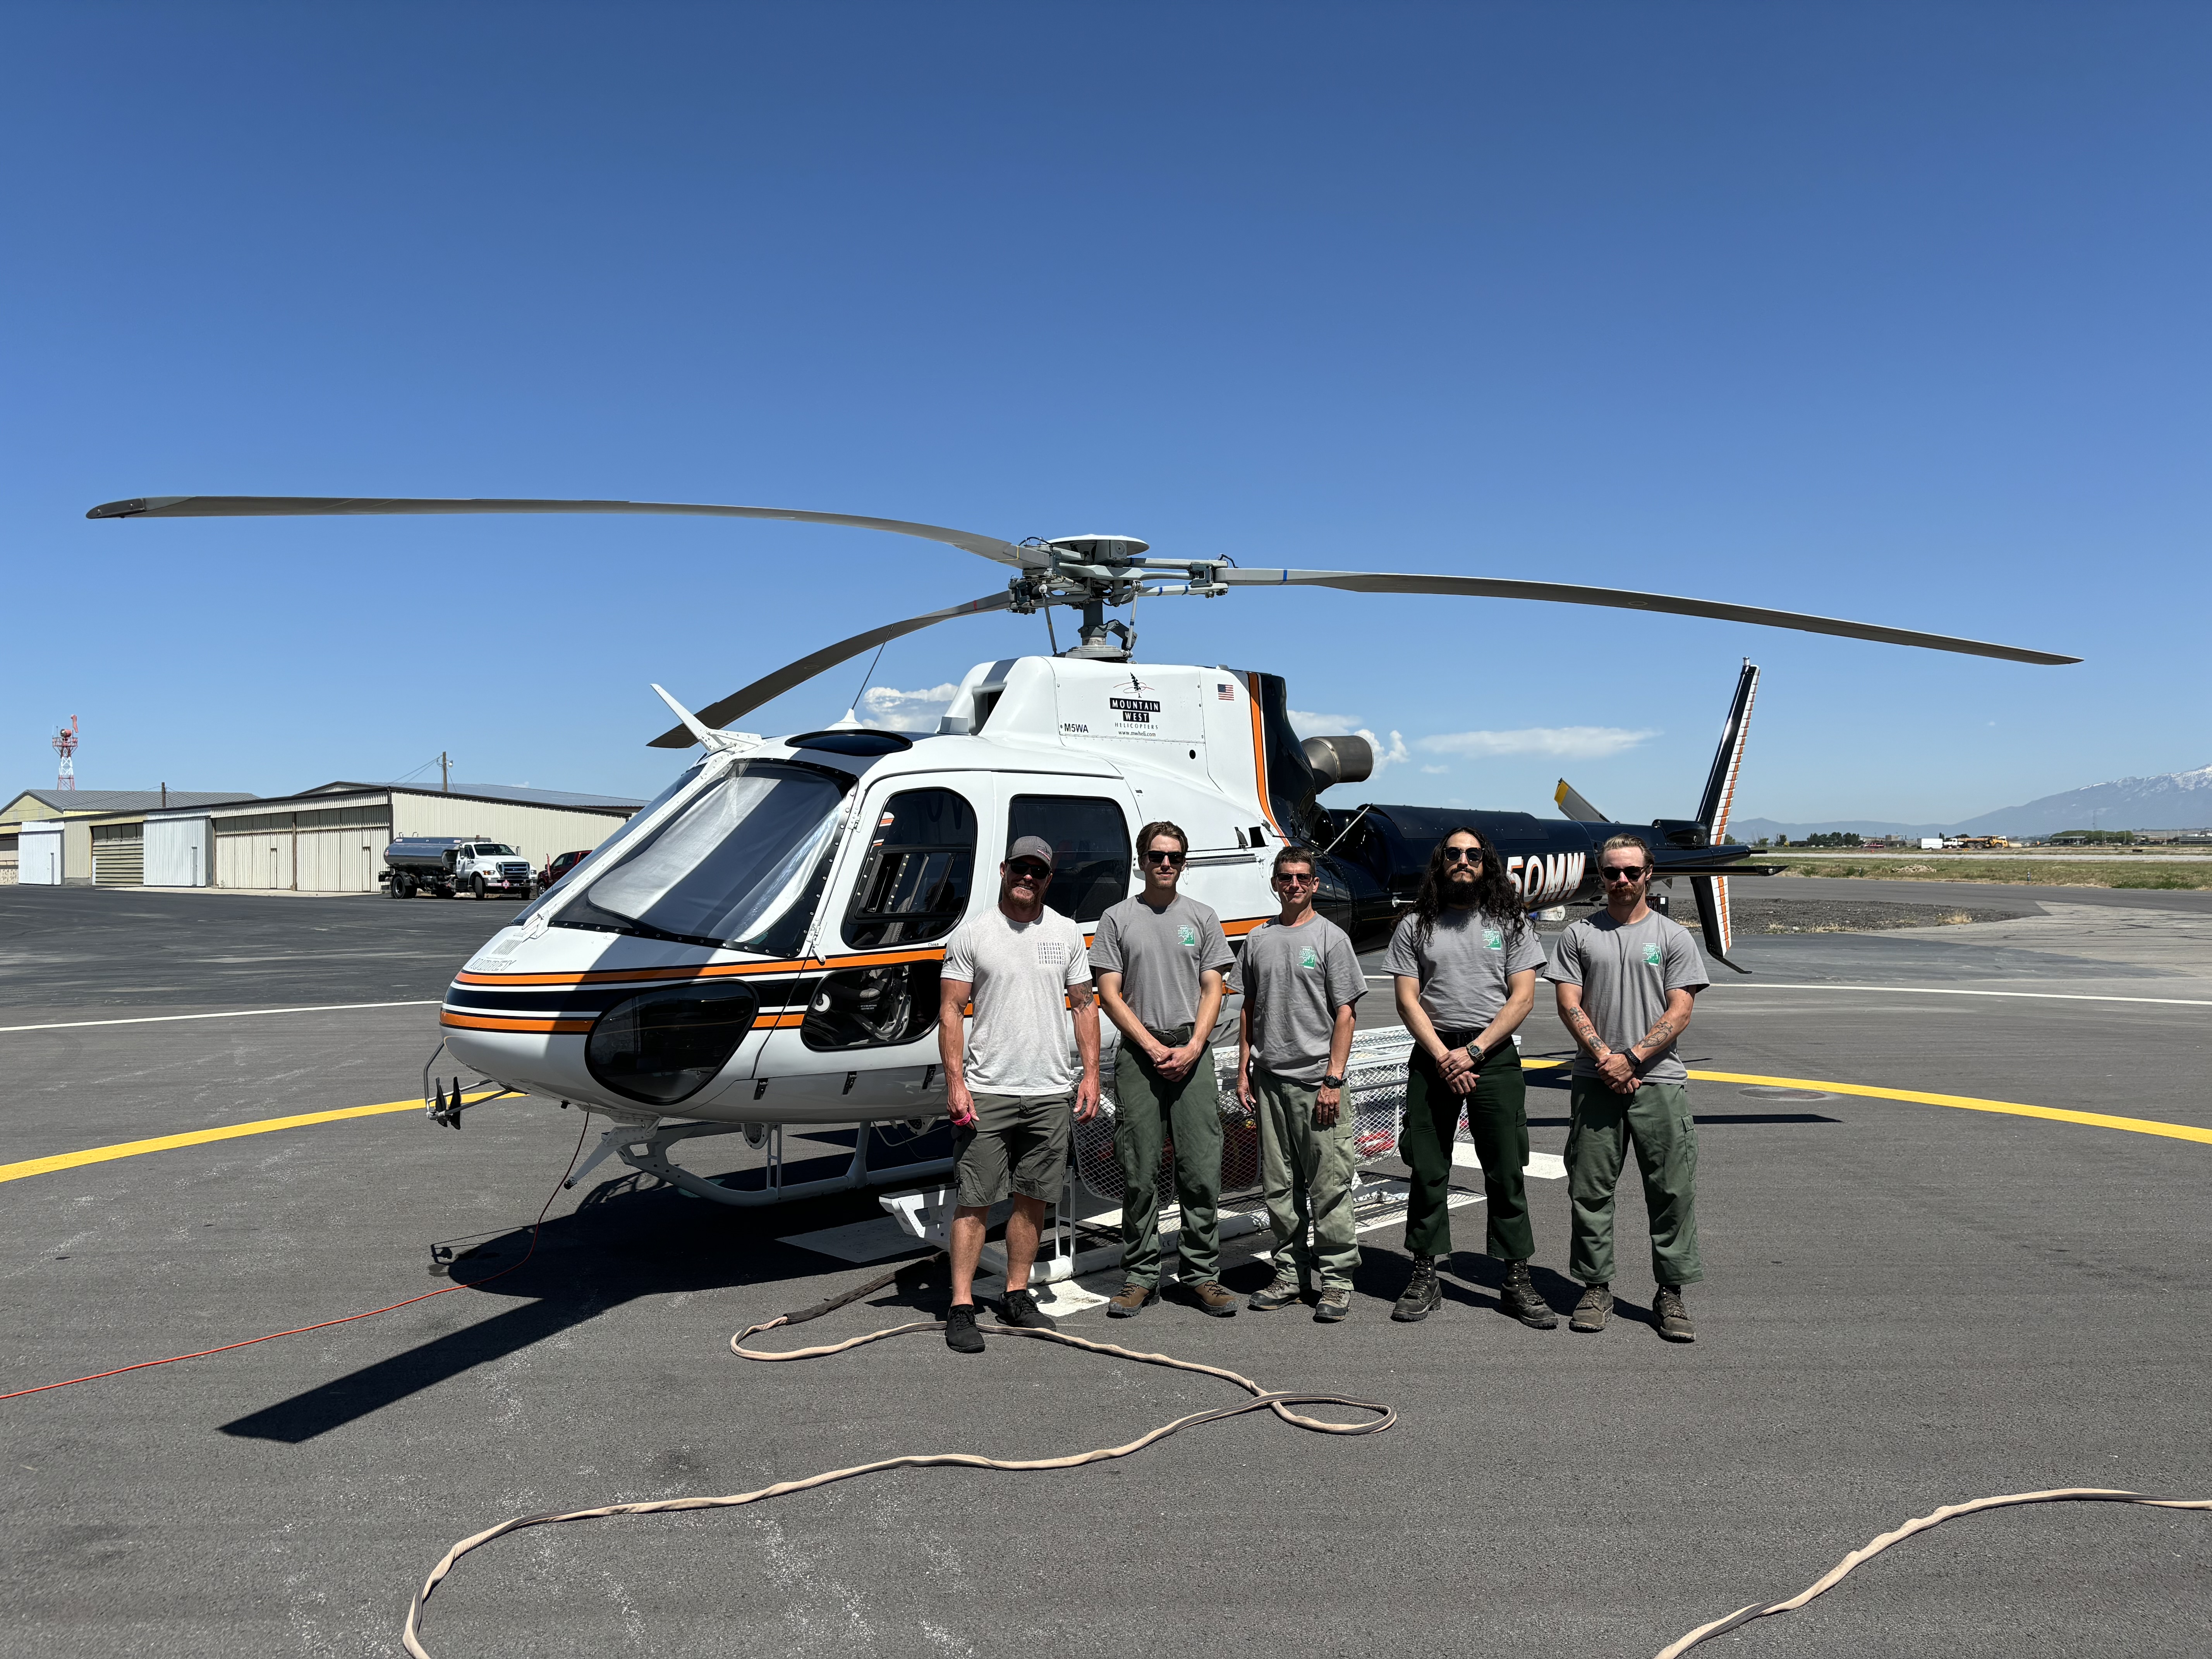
{"x": 1585, "y": 1033}
{"x": 1660, "y": 1035}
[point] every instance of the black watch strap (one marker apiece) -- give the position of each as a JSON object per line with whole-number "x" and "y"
{"x": 1332, "y": 1083}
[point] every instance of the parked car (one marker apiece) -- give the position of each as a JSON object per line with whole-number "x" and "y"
{"x": 559, "y": 866}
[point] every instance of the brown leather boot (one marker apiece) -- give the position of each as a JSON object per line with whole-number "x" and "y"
{"x": 1132, "y": 1300}
{"x": 1215, "y": 1298}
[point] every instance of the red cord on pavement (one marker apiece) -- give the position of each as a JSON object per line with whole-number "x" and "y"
{"x": 443, "y": 1289}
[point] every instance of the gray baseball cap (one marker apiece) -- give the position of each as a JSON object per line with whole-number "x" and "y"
{"x": 1031, "y": 847}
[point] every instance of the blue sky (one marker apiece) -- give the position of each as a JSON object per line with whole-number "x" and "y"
{"x": 1892, "y": 312}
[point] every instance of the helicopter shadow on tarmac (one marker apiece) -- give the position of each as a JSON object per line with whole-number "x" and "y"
{"x": 629, "y": 1238}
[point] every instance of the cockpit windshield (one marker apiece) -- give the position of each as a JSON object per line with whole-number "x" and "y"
{"x": 630, "y": 826}
{"x": 731, "y": 864}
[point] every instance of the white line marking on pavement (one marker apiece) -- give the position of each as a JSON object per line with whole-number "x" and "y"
{"x": 1544, "y": 1166}
{"x": 1947, "y": 991}
{"x": 233, "y": 1013}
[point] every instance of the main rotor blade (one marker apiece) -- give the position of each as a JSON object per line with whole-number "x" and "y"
{"x": 1485, "y": 587}
{"x": 719, "y": 714}
{"x": 267, "y": 507}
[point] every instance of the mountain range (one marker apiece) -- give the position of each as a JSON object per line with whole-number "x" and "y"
{"x": 2172, "y": 800}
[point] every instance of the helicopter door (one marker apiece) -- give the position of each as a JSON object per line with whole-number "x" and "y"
{"x": 862, "y": 1044}
{"x": 1089, "y": 835}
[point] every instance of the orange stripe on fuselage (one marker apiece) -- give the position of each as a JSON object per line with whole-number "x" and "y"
{"x": 499, "y": 1022}
{"x": 701, "y": 970}
{"x": 1260, "y": 754}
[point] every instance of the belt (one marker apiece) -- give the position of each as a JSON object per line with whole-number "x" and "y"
{"x": 1177, "y": 1034}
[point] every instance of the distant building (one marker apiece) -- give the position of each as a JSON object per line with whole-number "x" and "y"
{"x": 47, "y": 837}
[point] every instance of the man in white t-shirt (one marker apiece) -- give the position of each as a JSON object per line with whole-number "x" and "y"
{"x": 1011, "y": 1078}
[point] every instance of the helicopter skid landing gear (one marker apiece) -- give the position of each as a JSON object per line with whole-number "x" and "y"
{"x": 647, "y": 1151}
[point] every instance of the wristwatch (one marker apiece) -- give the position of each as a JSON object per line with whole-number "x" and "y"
{"x": 1332, "y": 1083}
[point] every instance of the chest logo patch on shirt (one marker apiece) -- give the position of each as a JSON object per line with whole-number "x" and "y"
{"x": 1187, "y": 934}
{"x": 1308, "y": 958}
{"x": 1653, "y": 956}
{"x": 1493, "y": 939}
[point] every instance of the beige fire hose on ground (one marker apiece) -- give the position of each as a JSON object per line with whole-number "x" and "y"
{"x": 1261, "y": 1400}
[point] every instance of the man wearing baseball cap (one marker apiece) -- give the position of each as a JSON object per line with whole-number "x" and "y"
{"x": 1011, "y": 1076}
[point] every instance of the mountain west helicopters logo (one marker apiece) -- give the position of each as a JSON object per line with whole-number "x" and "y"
{"x": 1138, "y": 704}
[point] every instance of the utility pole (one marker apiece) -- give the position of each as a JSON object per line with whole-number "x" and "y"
{"x": 445, "y": 773}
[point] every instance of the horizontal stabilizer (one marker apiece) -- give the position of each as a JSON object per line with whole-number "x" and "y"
{"x": 1573, "y": 806}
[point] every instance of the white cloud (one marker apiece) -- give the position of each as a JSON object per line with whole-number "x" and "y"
{"x": 1309, "y": 725}
{"x": 1392, "y": 754}
{"x": 1566, "y": 742}
{"x": 1435, "y": 771}
{"x": 905, "y": 711}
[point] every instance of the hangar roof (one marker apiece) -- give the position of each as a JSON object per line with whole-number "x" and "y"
{"x": 72, "y": 801}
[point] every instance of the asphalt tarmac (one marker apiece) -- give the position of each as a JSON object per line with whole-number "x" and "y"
{"x": 1906, "y": 1305}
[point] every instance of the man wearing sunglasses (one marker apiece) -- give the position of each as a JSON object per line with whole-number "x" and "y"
{"x": 1463, "y": 964}
{"x": 1010, "y": 1077}
{"x": 1301, "y": 980}
{"x": 1626, "y": 978}
{"x": 1161, "y": 963}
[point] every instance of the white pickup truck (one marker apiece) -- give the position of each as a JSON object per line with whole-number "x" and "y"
{"x": 450, "y": 866}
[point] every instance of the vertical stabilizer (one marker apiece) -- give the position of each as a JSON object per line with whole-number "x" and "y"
{"x": 1720, "y": 784}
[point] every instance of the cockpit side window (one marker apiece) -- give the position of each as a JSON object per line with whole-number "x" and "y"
{"x": 1090, "y": 839}
{"x": 920, "y": 866}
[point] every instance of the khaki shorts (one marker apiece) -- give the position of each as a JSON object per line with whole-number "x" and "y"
{"x": 1018, "y": 1144}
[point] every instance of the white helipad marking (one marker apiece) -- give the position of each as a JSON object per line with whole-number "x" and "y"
{"x": 1542, "y": 1166}
{"x": 1951, "y": 991}
{"x": 876, "y": 1240}
{"x": 233, "y": 1013}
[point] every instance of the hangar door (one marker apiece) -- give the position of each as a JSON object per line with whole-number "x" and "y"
{"x": 340, "y": 861}
{"x": 177, "y": 852}
{"x": 39, "y": 850}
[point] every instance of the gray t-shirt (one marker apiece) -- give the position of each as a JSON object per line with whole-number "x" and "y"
{"x": 1465, "y": 965}
{"x": 1160, "y": 955}
{"x": 1295, "y": 979}
{"x": 1022, "y": 1040}
{"x": 1625, "y": 970}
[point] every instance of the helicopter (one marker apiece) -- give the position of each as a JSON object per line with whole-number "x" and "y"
{"x": 761, "y": 944}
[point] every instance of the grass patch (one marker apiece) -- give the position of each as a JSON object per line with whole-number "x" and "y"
{"x": 2035, "y": 872}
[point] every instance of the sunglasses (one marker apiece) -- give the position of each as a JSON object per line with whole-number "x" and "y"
{"x": 1462, "y": 856}
{"x": 1292, "y": 879}
{"x": 1613, "y": 872}
{"x": 1029, "y": 870}
{"x": 1175, "y": 859}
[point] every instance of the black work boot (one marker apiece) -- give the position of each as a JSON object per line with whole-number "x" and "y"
{"x": 1519, "y": 1299}
{"x": 960, "y": 1333}
{"x": 1423, "y": 1295}
{"x": 1673, "y": 1320}
{"x": 1594, "y": 1310}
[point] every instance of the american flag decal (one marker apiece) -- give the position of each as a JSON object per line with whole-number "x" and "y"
{"x": 1222, "y": 690}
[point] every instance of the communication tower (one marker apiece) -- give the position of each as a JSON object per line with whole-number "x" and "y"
{"x": 65, "y": 746}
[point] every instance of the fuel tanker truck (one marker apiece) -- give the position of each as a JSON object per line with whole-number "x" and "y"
{"x": 450, "y": 866}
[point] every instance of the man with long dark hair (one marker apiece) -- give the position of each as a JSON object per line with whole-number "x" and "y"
{"x": 1464, "y": 962}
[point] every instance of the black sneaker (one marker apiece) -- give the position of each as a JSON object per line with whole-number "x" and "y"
{"x": 1519, "y": 1298}
{"x": 960, "y": 1333}
{"x": 1673, "y": 1320}
{"x": 1423, "y": 1295}
{"x": 1020, "y": 1309}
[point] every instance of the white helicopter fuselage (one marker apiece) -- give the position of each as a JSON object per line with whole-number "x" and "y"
{"x": 784, "y": 969}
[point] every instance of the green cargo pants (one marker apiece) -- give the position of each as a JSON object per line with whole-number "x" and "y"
{"x": 1497, "y": 1118}
{"x": 1148, "y": 1112}
{"x": 1657, "y": 1118}
{"x": 1306, "y": 1171}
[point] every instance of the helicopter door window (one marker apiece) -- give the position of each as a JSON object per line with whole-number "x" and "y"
{"x": 1090, "y": 839}
{"x": 914, "y": 887}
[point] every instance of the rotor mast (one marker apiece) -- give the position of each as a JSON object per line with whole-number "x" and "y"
{"x": 1092, "y": 573}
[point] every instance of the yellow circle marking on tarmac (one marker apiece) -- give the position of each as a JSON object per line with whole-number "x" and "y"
{"x": 201, "y": 1137}
{"x": 2141, "y": 1126}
